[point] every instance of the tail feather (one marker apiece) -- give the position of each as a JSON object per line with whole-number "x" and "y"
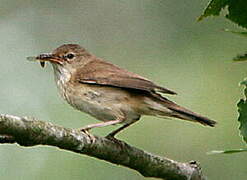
{"x": 183, "y": 113}
{"x": 177, "y": 111}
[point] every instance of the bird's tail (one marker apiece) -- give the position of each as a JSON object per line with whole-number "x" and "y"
{"x": 183, "y": 113}
{"x": 164, "y": 107}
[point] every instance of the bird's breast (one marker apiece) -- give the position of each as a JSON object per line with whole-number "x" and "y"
{"x": 62, "y": 77}
{"x": 103, "y": 103}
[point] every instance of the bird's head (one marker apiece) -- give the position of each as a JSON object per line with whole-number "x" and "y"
{"x": 65, "y": 56}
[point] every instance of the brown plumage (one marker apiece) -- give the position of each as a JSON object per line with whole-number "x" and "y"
{"x": 101, "y": 72}
{"x": 110, "y": 93}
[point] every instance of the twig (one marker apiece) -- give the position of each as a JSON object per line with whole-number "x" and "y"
{"x": 30, "y": 132}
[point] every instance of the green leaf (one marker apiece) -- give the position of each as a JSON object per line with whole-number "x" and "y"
{"x": 237, "y": 10}
{"x": 230, "y": 151}
{"x": 242, "y": 110}
{"x": 241, "y": 57}
{"x": 244, "y": 82}
{"x": 243, "y": 33}
{"x": 213, "y": 8}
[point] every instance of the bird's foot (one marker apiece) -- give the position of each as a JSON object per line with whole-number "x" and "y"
{"x": 85, "y": 130}
{"x": 110, "y": 137}
{"x": 115, "y": 140}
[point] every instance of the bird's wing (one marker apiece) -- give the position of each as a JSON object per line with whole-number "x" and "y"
{"x": 100, "y": 72}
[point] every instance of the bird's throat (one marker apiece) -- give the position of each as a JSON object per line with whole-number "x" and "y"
{"x": 61, "y": 74}
{"x": 62, "y": 77}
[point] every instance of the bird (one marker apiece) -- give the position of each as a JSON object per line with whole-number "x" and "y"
{"x": 109, "y": 93}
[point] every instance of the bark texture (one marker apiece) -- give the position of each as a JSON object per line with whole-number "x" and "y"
{"x": 27, "y": 131}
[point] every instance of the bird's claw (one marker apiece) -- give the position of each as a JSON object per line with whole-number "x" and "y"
{"x": 115, "y": 140}
{"x": 86, "y": 131}
{"x": 111, "y": 136}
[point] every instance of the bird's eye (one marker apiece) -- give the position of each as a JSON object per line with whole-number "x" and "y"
{"x": 70, "y": 56}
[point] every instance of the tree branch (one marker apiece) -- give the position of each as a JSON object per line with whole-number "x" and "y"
{"x": 30, "y": 132}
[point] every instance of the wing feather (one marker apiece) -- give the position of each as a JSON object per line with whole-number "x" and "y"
{"x": 103, "y": 73}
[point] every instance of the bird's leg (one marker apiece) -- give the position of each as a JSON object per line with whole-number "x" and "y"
{"x": 113, "y": 133}
{"x": 101, "y": 124}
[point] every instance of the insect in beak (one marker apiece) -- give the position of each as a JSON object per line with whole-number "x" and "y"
{"x": 42, "y": 58}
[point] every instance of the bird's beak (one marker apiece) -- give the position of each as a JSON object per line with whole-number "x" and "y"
{"x": 49, "y": 57}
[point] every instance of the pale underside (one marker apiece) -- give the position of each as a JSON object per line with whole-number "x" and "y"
{"x": 107, "y": 103}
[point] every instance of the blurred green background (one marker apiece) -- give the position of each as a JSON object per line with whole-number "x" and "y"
{"x": 158, "y": 39}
